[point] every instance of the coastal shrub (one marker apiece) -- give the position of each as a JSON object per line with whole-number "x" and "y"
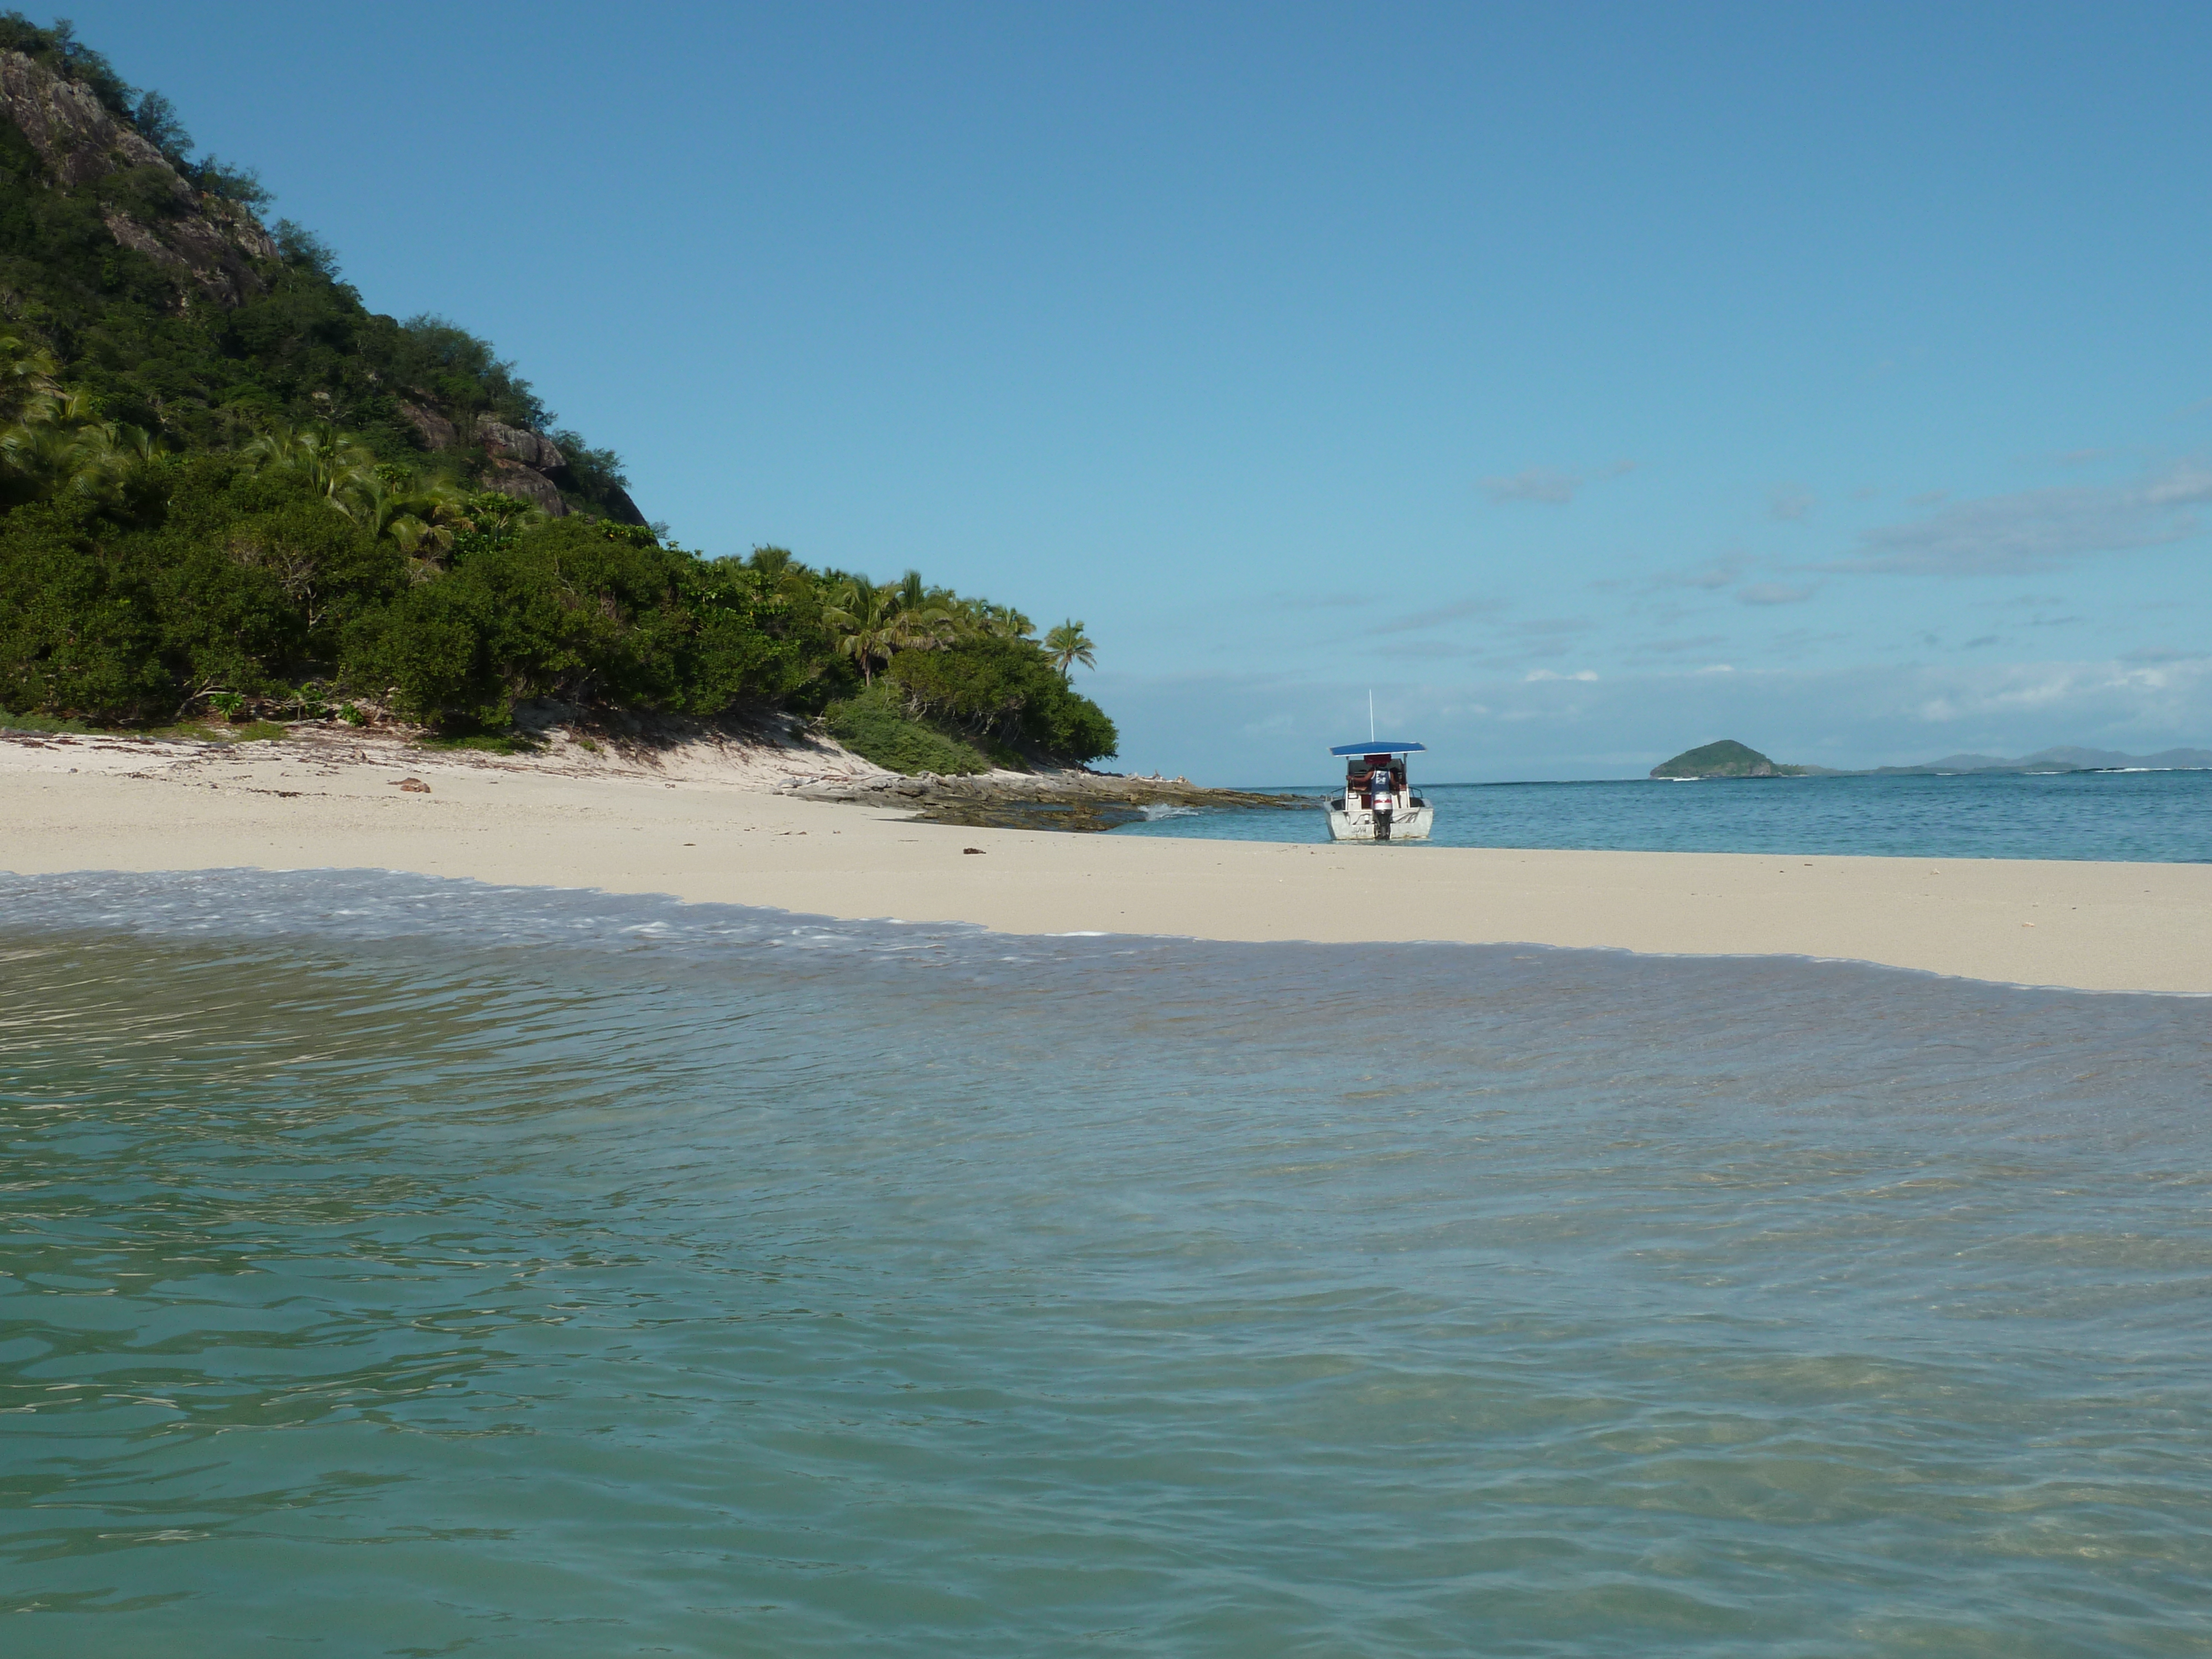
{"x": 565, "y": 610}
{"x": 875, "y": 727}
{"x": 1008, "y": 690}
{"x": 80, "y": 633}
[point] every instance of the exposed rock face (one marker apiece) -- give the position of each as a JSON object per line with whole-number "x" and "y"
{"x": 514, "y": 443}
{"x": 213, "y": 242}
{"x": 219, "y": 250}
{"x": 518, "y": 459}
{"x": 72, "y": 131}
{"x": 438, "y": 432}
{"x": 621, "y": 508}
{"x": 513, "y": 479}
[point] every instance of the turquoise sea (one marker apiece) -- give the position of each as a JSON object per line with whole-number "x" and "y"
{"x": 2158, "y": 816}
{"x": 395, "y": 1267}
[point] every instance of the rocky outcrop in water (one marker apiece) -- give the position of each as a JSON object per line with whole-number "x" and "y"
{"x": 1044, "y": 800}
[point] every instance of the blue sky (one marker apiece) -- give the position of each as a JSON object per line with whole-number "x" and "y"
{"x": 1588, "y": 381}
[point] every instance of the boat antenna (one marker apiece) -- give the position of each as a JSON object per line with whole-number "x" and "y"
{"x": 1370, "y": 714}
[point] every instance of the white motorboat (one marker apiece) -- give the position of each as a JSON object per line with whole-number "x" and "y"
{"x": 1377, "y": 804}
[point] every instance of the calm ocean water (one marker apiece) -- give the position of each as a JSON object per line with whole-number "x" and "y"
{"x": 399, "y": 1267}
{"x": 2156, "y": 816}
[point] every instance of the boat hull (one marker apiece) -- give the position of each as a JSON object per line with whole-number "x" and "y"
{"x": 1413, "y": 824}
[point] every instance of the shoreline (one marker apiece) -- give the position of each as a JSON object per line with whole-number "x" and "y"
{"x": 727, "y": 827}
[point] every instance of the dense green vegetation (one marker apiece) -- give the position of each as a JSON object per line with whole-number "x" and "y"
{"x": 1725, "y": 759}
{"x": 227, "y": 486}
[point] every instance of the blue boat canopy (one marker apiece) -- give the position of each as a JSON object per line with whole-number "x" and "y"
{"x": 1379, "y": 746}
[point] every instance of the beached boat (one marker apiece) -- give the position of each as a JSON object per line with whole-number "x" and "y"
{"x": 1377, "y": 804}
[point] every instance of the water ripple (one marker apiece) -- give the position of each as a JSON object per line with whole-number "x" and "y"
{"x": 412, "y": 1267}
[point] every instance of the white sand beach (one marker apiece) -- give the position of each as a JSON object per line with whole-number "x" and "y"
{"x": 709, "y": 824}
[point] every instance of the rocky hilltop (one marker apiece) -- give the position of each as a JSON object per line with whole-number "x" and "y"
{"x": 218, "y": 247}
{"x": 84, "y": 168}
{"x": 1727, "y": 759}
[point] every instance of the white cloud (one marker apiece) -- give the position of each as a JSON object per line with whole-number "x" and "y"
{"x": 1535, "y": 675}
{"x": 2038, "y": 529}
{"x": 1719, "y": 668}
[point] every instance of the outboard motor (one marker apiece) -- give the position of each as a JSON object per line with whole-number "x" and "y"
{"x": 1381, "y": 799}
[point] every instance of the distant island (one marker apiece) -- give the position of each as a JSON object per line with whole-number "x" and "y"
{"x": 1727, "y": 759}
{"x": 1730, "y": 759}
{"x": 2057, "y": 760}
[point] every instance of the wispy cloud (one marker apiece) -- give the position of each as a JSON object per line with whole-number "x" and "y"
{"x": 2038, "y": 529}
{"x": 1789, "y": 500}
{"x": 1460, "y": 610}
{"x": 1534, "y": 484}
{"x": 2168, "y": 694}
{"x": 1535, "y": 675}
{"x": 1775, "y": 593}
{"x": 1713, "y": 573}
{"x": 1543, "y": 484}
{"x": 1315, "y": 601}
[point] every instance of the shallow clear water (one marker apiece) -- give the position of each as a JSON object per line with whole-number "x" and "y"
{"x": 2154, "y": 816}
{"x": 395, "y": 1267}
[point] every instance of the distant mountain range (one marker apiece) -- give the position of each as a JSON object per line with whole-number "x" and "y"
{"x": 2057, "y": 760}
{"x": 1730, "y": 759}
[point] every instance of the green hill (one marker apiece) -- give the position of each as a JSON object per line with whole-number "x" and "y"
{"x": 1725, "y": 759}
{"x": 226, "y": 484}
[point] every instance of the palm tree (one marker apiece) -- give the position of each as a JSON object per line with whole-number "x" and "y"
{"x": 30, "y": 377}
{"x": 497, "y": 513}
{"x": 1067, "y": 645}
{"x": 334, "y": 463}
{"x": 111, "y": 457}
{"x": 996, "y": 621}
{"x": 419, "y": 515}
{"x": 874, "y": 622}
{"x": 57, "y": 445}
{"x": 866, "y": 618}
